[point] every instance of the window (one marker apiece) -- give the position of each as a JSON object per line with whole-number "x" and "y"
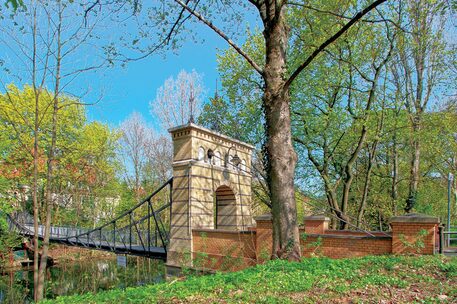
{"x": 226, "y": 160}
{"x": 243, "y": 166}
{"x": 201, "y": 154}
{"x": 217, "y": 158}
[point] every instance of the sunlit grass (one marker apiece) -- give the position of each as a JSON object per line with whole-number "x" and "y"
{"x": 406, "y": 279}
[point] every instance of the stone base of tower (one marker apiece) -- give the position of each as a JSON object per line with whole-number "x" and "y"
{"x": 172, "y": 271}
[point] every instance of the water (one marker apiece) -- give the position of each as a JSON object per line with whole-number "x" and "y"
{"x": 81, "y": 277}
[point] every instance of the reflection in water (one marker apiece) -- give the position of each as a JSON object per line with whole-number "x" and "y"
{"x": 81, "y": 277}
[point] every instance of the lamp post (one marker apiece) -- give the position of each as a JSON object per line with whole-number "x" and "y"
{"x": 449, "y": 186}
{"x": 236, "y": 161}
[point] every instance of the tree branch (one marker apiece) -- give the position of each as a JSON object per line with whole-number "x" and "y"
{"x": 222, "y": 35}
{"x": 330, "y": 40}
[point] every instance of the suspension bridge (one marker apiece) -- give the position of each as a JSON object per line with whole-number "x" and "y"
{"x": 141, "y": 231}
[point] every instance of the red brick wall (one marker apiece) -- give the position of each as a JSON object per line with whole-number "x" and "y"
{"x": 264, "y": 240}
{"x": 407, "y": 238}
{"x": 222, "y": 249}
{"x": 315, "y": 226}
{"x": 344, "y": 245}
{"x": 233, "y": 250}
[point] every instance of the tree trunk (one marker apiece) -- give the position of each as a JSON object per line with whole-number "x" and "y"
{"x": 415, "y": 161}
{"x": 349, "y": 176}
{"x": 394, "y": 190}
{"x": 280, "y": 152}
{"x": 50, "y": 169}
{"x": 35, "y": 197}
{"x": 36, "y": 129}
{"x": 366, "y": 186}
{"x": 49, "y": 202}
{"x": 333, "y": 202}
{"x": 371, "y": 161}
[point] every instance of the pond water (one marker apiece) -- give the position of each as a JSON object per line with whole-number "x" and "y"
{"x": 81, "y": 277}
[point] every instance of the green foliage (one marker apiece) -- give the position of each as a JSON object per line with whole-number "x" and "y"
{"x": 85, "y": 164}
{"x": 14, "y": 3}
{"x": 279, "y": 281}
{"x": 8, "y": 239}
{"x": 329, "y": 107}
{"x": 316, "y": 246}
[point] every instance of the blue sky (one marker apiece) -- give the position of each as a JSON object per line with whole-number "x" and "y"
{"x": 132, "y": 88}
{"x": 121, "y": 90}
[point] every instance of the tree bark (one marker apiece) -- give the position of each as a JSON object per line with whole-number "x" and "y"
{"x": 366, "y": 186}
{"x": 414, "y": 171}
{"x": 280, "y": 152}
{"x": 349, "y": 176}
{"x": 394, "y": 189}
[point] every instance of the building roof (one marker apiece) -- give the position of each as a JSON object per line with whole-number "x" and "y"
{"x": 200, "y": 128}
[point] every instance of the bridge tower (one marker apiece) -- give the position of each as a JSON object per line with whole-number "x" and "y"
{"x": 211, "y": 187}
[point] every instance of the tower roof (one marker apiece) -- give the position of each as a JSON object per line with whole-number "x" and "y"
{"x": 192, "y": 126}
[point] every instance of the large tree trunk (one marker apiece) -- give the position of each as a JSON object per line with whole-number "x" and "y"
{"x": 280, "y": 152}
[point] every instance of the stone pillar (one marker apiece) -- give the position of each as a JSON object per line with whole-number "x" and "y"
{"x": 180, "y": 246}
{"x": 316, "y": 224}
{"x": 264, "y": 237}
{"x": 414, "y": 234}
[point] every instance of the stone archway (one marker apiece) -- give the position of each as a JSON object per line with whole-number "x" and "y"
{"x": 225, "y": 213}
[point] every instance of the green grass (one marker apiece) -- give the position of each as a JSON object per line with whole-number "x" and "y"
{"x": 401, "y": 279}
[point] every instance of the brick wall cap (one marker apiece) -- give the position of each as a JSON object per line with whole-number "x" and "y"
{"x": 223, "y": 231}
{"x": 415, "y": 218}
{"x": 350, "y": 237}
{"x": 264, "y": 217}
{"x": 316, "y": 218}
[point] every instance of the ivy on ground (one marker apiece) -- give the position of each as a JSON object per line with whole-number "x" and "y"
{"x": 404, "y": 279}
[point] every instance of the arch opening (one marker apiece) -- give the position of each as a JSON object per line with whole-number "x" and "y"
{"x": 225, "y": 213}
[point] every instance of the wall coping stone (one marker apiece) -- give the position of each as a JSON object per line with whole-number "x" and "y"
{"x": 264, "y": 217}
{"x": 223, "y": 231}
{"x": 355, "y": 237}
{"x": 316, "y": 218}
{"x": 415, "y": 218}
{"x": 348, "y": 232}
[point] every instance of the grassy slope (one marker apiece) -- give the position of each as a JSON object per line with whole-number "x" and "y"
{"x": 423, "y": 279}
